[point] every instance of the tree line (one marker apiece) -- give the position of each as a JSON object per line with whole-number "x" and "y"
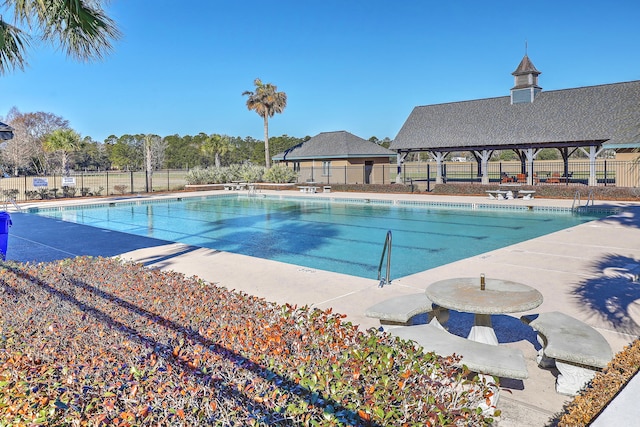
{"x": 44, "y": 143}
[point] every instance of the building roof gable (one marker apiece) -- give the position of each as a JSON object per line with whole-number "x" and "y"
{"x": 580, "y": 116}
{"x": 340, "y": 144}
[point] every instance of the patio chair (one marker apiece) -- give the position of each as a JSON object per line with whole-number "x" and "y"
{"x": 505, "y": 178}
{"x": 555, "y": 178}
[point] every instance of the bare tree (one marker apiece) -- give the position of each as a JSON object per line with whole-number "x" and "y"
{"x": 154, "y": 148}
{"x": 26, "y": 150}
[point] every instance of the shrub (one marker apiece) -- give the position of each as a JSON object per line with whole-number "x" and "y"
{"x": 547, "y": 191}
{"x": 30, "y": 194}
{"x": 92, "y": 341}
{"x": 121, "y": 188}
{"x": 197, "y": 176}
{"x": 251, "y": 173}
{"x": 10, "y": 194}
{"x": 68, "y": 191}
{"x": 375, "y": 188}
{"x": 213, "y": 175}
{"x": 604, "y": 387}
{"x": 280, "y": 174}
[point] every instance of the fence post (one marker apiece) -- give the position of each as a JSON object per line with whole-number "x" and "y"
{"x": 605, "y": 173}
{"x": 428, "y": 178}
{"x": 168, "y": 188}
{"x": 107, "y": 171}
{"x": 131, "y": 180}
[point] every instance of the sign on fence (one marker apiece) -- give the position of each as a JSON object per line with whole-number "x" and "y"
{"x": 68, "y": 181}
{"x": 40, "y": 182}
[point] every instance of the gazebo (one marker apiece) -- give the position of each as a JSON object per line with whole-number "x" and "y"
{"x": 6, "y": 131}
{"x": 526, "y": 121}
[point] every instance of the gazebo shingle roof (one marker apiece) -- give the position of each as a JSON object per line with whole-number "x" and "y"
{"x": 570, "y": 117}
{"x": 334, "y": 145}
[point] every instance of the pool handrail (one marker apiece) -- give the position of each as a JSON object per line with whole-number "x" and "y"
{"x": 387, "y": 279}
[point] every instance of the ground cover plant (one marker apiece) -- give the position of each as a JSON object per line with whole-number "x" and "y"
{"x": 95, "y": 341}
{"x": 593, "y": 399}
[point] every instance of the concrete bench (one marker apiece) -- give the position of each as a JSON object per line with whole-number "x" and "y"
{"x": 526, "y": 194}
{"x": 307, "y": 188}
{"x": 576, "y": 349}
{"x": 326, "y": 189}
{"x": 497, "y": 194}
{"x": 496, "y": 360}
{"x": 234, "y": 186}
{"x": 401, "y": 309}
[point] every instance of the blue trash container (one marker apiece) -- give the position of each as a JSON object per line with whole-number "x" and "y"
{"x": 5, "y": 223}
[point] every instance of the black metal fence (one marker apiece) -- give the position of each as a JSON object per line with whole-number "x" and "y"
{"x": 79, "y": 184}
{"x": 607, "y": 172}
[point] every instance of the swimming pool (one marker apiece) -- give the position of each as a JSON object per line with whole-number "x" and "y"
{"x": 344, "y": 236}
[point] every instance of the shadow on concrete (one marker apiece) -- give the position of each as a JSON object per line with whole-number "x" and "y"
{"x": 507, "y": 328}
{"x": 630, "y": 217}
{"x": 612, "y": 292}
{"x": 33, "y": 238}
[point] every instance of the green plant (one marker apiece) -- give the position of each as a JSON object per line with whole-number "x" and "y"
{"x": 31, "y": 194}
{"x": 251, "y": 173}
{"x": 43, "y": 193}
{"x": 99, "y": 191}
{"x": 10, "y": 194}
{"x": 68, "y": 191}
{"x": 197, "y": 176}
{"x": 97, "y": 341}
{"x": 280, "y": 173}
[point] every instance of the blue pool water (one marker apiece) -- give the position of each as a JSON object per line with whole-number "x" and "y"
{"x": 345, "y": 237}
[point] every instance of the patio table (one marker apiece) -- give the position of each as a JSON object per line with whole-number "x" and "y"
{"x": 498, "y": 297}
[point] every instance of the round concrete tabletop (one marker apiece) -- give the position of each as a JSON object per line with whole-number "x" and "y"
{"x": 499, "y": 296}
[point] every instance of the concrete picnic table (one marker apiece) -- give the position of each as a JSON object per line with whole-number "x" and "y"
{"x": 498, "y": 297}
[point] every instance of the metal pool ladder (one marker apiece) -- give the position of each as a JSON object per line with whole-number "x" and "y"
{"x": 387, "y": 244}
{"x": 13, "y": 202}
{"x": 576, "y": 200}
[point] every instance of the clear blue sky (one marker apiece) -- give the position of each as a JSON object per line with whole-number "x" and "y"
{"x": 353, "y": 65}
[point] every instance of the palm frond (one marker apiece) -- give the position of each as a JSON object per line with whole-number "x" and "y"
{"x": 13, "y": 45}
{"x": 83, "y": 31}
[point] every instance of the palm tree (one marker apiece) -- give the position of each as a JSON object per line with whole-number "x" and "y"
{"x": 80, "y": 28}
{"x": 216, "y": 145}
{"x": 64, "y": 142}
{"x": 266, "y": 101}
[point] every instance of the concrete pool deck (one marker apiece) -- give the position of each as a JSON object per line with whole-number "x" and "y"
{"x": 568, "y": 267}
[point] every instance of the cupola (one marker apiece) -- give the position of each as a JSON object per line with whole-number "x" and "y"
{"x": 526, "y": 82}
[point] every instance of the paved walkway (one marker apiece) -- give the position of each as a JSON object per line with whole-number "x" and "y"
{"x": 568, "y": 267}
